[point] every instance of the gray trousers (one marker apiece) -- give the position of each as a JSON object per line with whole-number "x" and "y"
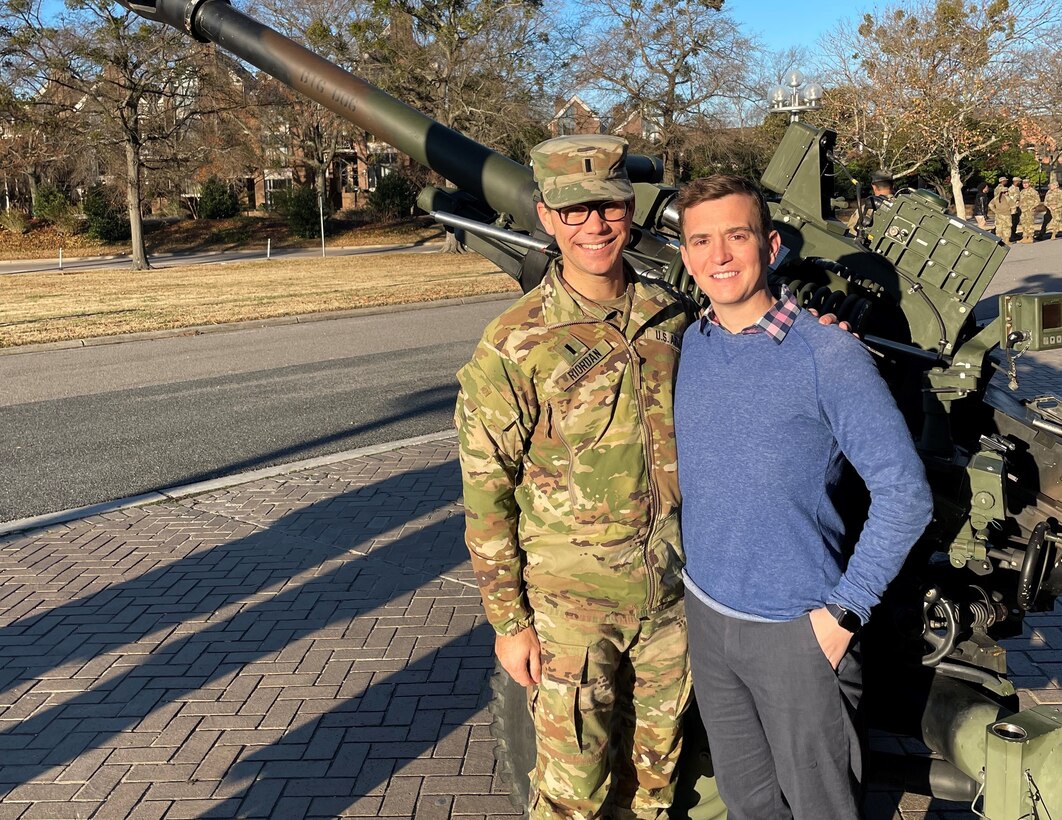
{"x": 780, "y": 721}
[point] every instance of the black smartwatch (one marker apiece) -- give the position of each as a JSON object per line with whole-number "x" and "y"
{"x": 845, "y": 617}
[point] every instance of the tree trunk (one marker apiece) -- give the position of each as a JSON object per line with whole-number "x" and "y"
{"x": 361, "y": 146}
{"x": 31, "y": 183}
{"x": 453, "y": 243}
{"x": 956, "y": 188}
{"x": 670, "y": 161}
{"x": 132, "y": 199}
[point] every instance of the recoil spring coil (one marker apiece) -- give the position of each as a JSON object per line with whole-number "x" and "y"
{"x": 847, "y": 307}
{"x": 984, "y": 614}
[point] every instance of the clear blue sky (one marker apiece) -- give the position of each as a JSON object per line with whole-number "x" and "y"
{"x": 779, "y": 24}
{"x": 782, "y": 24}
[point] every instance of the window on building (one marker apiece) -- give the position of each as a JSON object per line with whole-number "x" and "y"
{"x": 566, "y": 122}
{"x": 272, "y": 185}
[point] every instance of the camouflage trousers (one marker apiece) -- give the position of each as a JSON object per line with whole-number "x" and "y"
{"x": 1002, "y": 227}
{"x": 608, "y": 715}
{"x": 1027, "y": 226}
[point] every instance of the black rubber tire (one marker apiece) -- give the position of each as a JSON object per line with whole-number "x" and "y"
{"x": 696, "y": 796}
{"x": 514, "y": 730}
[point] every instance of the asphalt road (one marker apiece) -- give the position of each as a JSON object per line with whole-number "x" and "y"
{"x": 93, "y": 424}
{"x": 85, "y": 425}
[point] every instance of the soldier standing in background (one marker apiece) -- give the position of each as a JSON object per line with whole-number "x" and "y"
{"x": 1002, "y": 209}
{"x": 980, "y": 206}
{"x": 1002, "y": 186}
{"x": 568, "y": 458}
{"x": 880, "y": 192}
{"x": 1028, "y": 201}
{"x": 1053, "y": 201}
{"x": 1015, "y": 190}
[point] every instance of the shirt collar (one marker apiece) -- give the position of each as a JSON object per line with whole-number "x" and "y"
{"x": 775, "y": 322}
{"x": 559, "y": 307}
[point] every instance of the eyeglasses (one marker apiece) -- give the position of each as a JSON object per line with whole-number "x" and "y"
{"x": 614, "y": 211}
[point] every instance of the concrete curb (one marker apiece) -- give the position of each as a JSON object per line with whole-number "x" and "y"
{"x": 229, "y": 327}
{"x": 198, "y": 488}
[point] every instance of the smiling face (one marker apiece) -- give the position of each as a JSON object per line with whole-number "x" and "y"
{"x": 592, "y": 252}
{"x": 728, "y": 256}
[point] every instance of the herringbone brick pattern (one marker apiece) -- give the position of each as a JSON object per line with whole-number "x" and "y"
{"x": 304, "y": 646}
{"x": 309, "y": 646}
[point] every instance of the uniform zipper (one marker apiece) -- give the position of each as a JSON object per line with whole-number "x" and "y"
{"x": 654, "y": 495}
{"x": 654, "y": 506}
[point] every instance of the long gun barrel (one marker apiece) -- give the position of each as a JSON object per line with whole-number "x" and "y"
{"x": 505, "y": 185}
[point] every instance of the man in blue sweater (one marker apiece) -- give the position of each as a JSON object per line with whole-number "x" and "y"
{"x": 768, "y": 405}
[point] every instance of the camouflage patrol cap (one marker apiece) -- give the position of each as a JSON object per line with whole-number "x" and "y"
{"x": 581, "y": 168}
{"x": 1002, "y": 179}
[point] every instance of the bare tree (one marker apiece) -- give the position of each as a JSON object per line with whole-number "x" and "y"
{"x": 473, "y": 65}
{"x": 129, "y": 85}
{"x": 933, "y": 79}
{"x": 671, "y": 63}
{"x": 220, "y": 141}
{"x": 38, "y": 145}
{"x": 316, "y": 134}
{"x": 1042, "y": 125}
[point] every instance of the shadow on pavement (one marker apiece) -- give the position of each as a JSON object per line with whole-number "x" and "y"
{"x": 232, "y": 614}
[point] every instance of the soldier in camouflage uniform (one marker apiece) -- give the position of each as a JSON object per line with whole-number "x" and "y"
{"x": 1015, "y": 216}
{"x": 571, "y": 498}
{"x": 1002, "y": 186}
{"x": 1028, "y": 201}
{"x": 1053, "y": 202}
{"x": 1002, "y": 209}
{"x": 881, "y": 183}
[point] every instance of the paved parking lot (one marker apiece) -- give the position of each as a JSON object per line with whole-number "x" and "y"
{"x": 309, "y": 644}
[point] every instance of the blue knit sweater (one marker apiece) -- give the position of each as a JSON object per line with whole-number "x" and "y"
{"x": 763, "y": 428}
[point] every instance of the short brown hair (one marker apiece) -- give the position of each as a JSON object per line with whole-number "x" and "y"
{"x": 717, "y": 186}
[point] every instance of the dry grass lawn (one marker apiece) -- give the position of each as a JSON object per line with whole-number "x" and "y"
{"x": 51, "y": 307}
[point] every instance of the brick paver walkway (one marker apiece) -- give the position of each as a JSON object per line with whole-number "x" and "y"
{"x": 309, "y": 645}
{"x": 305, "y": 646}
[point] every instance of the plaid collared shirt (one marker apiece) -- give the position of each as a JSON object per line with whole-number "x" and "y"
{"x": 775, "y": 322}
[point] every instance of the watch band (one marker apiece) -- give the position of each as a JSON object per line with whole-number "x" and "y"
{"x": 845, "y": 617}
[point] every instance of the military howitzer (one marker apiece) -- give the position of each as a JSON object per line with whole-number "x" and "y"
{"x": 934, "y": 668}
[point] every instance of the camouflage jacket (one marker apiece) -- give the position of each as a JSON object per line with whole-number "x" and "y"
{"x": 568, "y": 456}
{"x": 1002, "y": 204}
{"x": 1028, "y": 200}
{"x": 1053, "y": 201}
